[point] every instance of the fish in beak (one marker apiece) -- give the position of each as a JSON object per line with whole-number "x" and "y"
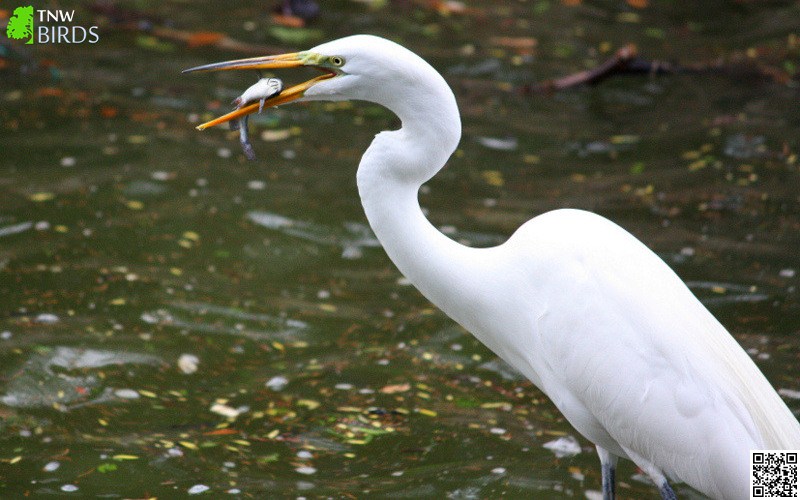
{"x": 292, "y": 60}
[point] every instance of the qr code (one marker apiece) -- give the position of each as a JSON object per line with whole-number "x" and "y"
{"x": 773, "y": 474}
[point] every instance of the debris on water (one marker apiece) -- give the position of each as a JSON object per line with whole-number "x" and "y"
{"x": 228, "y": 411}
{"x": 68, "y": 161}
{"x": 498, "y": 143}
{"x": 126, "y": 394}
{"x": 787, "y": 273}
{"x": 395, "y": 388}
{"x": 5, "y": 335}
{"x": 161, "y": 175}
{"x": 69, "y": 488}
{"x": 187, "y": 363}
{"x": 306, "y": 469}
{"x": 149, "y": 318}
{"x": 41, "y": 197}
{"x": 47, "y": 318}
{"x": 279, "y": 135}
{"x": 576, "y": 473}
{"x": 197, "y": 489}
{"x": 277, "y": 383}
{"x": 565, "y": 446}
{"x": 789, "y": 393}
{"x": 743, "y": 146}
{"x": 256, "y": 185}
{"x": 51, "y": 466}
{"x": 304, "y": 486}
{"x": 15, "y": 229}
{"x": 499, "y": 470}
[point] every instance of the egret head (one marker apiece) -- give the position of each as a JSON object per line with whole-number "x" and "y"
{"x": 358, "y": 67}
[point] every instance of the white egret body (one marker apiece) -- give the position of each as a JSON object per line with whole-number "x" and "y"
{"x": 574, "y": 302}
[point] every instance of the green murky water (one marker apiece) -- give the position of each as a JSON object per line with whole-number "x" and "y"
{"x": 174, "y": 318}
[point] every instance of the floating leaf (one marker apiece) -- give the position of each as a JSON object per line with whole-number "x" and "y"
{"x": 39, "y": 197}
{"x": 189, "y": 445}
{"x": 308, "y": 403}
{"x": 203, "y": 38}
{"x": 106, "y": 467}
{"x": 493, "y": 177}
{"x": 395, "y": 388}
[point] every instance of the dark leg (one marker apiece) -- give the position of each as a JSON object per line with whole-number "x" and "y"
{"x": 608, "y": 465}
{"x": 658, "y": 477}
{"x": 666, "y": 492}
{"x": 608, "y": 481}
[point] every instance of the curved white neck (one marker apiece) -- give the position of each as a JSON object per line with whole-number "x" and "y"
{"x": 389, "y": 177}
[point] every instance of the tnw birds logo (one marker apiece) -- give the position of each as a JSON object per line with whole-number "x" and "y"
{"x": 51, "y": 26}
{"x": 20, "y": 25}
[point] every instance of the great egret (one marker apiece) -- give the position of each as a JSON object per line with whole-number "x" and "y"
{"x": 574, "y": 302}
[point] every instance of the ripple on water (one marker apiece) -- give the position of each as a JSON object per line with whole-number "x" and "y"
{"x": 62, "y": 377}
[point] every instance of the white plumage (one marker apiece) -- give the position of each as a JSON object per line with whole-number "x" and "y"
{"x": 577, "y": 304}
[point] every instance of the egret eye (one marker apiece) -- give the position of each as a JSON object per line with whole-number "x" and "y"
{"x": 337, "y": 61}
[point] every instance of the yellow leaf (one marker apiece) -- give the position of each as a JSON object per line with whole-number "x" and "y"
{"x": 394, "y": 388}
{"x": 493, "y": 177}
{"x": 308, "y": 403}
{"x": 349, "y": 409}
{"x": 188, "y": 444}
{"x": 39, "y": 197}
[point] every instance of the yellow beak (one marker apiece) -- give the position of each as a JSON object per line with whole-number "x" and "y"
{"x": 293, "y": 93}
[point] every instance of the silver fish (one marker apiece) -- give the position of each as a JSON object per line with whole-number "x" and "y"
{"x": 262, "y": 90}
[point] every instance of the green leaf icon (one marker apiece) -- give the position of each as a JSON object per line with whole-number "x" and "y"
{"x": 20, "y": 25}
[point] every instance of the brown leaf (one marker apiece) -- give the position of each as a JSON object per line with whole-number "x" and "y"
{"x": 395, "y": 388}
